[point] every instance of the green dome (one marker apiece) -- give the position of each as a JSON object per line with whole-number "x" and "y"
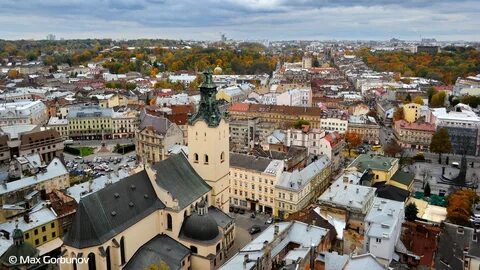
{"x": 19, "y": 249}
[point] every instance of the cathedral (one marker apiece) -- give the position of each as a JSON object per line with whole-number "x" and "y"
{"x": 170, "y": 214}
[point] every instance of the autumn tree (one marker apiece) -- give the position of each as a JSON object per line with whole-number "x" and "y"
{"x": 398, "y": 114}
{"x": 408, "y": 99}
{"x": 440, "y": 143}
{"x": 392, "y": 148}
{"x": 353, "y": 140}
{"x": 438, "y": 100}
{"x": 418, "y": 100}
{"x": 411, "y": 212}
{"x": 460, "y": 205}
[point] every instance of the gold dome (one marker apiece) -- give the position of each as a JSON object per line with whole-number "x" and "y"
{"x": 218, "y": 70}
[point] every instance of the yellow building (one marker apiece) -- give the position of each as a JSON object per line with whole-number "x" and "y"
{"x": 40, "y": 226}
{"x": 412, "y": 111}
{"x": 90, "y": 122}
{"x": 382, "y": 168}
{"x": 252, "y": 182}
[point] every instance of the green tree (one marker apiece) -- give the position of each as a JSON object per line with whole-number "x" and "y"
{"x": 427, "y": 191}
{"x": 440, "y": 143}
{"x": 411, "y": 212}
{"x": 408, "y": 98}
{"x": 438, "y": 100}
{"x": 299, "y": 123}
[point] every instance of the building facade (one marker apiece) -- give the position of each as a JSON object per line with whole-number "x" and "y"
{"x": 413, "y": 135}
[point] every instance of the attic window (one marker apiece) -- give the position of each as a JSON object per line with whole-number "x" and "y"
{"x": 116, "y": 195}
{"x": 133, "y": 187}
{"x": 130, "y": 204}
{"x": 145, "y": 196}
{"x": 113, "y": 213}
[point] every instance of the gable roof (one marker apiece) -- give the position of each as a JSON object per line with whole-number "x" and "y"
{"x": 177, "y": 176}
{"x": 107, "y": 212}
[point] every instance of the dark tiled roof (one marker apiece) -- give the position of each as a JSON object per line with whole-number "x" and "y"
{"x": 34, "y": 136}
{"x": 222, "y": 219}
{"x": 160, "y": 248}
{"x": 107, "y": 212}
{"x": 177, "y": 176}
{"x": 158, "y": 123}
{"x": 249, "y": 162}
{"x": 391, "y": 192}
{"x": 402, "y": 177}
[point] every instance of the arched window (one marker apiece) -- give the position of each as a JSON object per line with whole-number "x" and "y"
{"x": 218, "y": 247}
{"x": 222, "y": 157}
{"x": 123, "y": 259}
{"x": 205, "y": 159}
{"x": 195, "y": 158}
{"x": 194, "y": 249}
{"x": 91, "y": 261}
{"x": 107, "y": 258}
{"x": 169, "y": 222}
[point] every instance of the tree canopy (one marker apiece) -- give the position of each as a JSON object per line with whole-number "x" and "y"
{"x": 460, "y": 205}
{"x": 353, "y": 140}
{"x": 411, "y": 212}
{"x": 440, "y": 143}
{"x": 445, "y": 66}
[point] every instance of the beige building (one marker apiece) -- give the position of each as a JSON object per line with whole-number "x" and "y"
{"x": 252, "y": 182}
{"x": 60, "y": 125}
{"x": 413, "y": 135}
{"x": 296, "y": 190}
{"x": 412, "y": 111}
{"x": 366, "y": 126}
{"x": 154, "y": 136}
{"x": 124, "y": 124}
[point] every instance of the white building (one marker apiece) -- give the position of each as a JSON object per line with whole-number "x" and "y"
{"x": 23, "y": 112}
{"x": 383, "y": 225}
{"x": 334, "y": 121}
{"x": 296, "y": 97}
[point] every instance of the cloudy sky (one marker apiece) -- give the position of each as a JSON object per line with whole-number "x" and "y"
{"x": 241, "y": 19}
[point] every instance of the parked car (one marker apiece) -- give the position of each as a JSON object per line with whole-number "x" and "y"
{"x": 269, "y": 221}
{"x": 255, "y": 229}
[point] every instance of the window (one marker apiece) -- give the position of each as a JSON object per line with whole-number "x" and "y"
{"x": 52, "y": 225}
{"x": 378, "y": 240}
{"x": 35, "y": 232}
{"x": 91, "y": 261}
{"x": 44, "y": 238}
{"x": 54, "y": 234}
{"x": 205, "y": 159}
{"x": 169, "y": 222}
{"x": 27, "y": 235}
{"x": 195, "y": 158}
{"x": 222, "y": 157}
{"x": 37, "y": 242}
{"x": 193, "y": 249}
{"x": 122, "y": 251}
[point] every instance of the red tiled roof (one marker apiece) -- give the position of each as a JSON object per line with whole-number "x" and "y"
{"x": 415, "y": 126}
{"x": 239, "y": 107}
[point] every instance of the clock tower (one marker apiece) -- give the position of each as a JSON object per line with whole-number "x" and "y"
{"x": 208, "y": 144}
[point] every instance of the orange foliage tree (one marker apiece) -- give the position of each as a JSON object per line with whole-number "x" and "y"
{"x": 460, "y": 205}
{"x": 353, "y": 140}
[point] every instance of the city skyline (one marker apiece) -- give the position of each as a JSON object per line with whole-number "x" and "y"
{"x": 241, "y": 20}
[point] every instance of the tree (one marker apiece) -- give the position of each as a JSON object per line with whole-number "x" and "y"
{"x": 299, "y": 123}
{"x": 427, "y": 191}
{"x": 411, "y": 212}
{"x": 353, "y": 140}
{"x": 398, "y": 114}
{"x": 392, "y": 148}
{"x": 440, "y": 143}
{"x": 460, "y": 204}
{"x": 408, "y": 98}
{"x": 418, "y": 100}
{"x": 438, "y": 100}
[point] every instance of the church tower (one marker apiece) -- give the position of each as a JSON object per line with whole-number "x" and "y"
{"x": 208, "y": 144}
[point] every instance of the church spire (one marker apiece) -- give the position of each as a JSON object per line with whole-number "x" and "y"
{"x": 208, "y": 107}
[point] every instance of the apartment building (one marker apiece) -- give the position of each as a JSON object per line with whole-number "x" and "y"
{"x": 90, "y": 122}
{"x": 281, "y": 115}
{"x": 297, "y": 189}
{"x": 252, "y": 182}
{"x": 23, "y": 112}
{"x": 124, "y": 124}
{"x": 154, "y": 136}
{"x": 334, "y": 121}
{"x": 413, "y": 135}
{"x": 365, "y": 126}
